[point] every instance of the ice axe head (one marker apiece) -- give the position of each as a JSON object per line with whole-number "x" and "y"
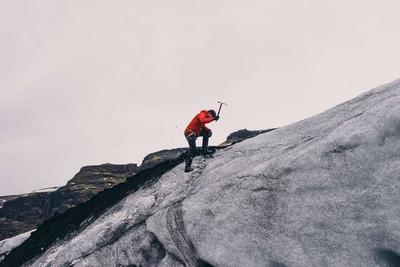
{"x": 220, "y": 106}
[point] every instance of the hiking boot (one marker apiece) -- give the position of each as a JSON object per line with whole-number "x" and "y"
{"x": 188, "y": 163}
{"x": 188, "y": 169}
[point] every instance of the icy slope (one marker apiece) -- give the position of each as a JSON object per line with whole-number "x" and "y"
{"x": 320, "y": 192}
{"x": 8, "y": 244}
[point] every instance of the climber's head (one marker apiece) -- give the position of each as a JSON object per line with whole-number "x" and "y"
{"x": 212, "y": 113}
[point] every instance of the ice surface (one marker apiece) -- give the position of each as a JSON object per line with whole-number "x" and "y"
{"x": 320, "y": 192}
{"x": 8, "y": 244}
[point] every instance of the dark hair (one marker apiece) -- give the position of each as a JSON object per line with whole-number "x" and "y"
{"x": 212, "y": 112}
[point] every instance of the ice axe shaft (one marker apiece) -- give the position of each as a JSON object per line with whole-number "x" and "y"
{"x": 220, "y": 106}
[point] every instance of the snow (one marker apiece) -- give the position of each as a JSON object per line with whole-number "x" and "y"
{"x": 9, "y": 244}
{"x": 2, "y": 201}
{"x": 320, "y": 192}
{"x": 46, "y": 190}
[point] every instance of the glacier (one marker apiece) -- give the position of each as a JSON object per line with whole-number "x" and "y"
{"x": 320, "y": 192}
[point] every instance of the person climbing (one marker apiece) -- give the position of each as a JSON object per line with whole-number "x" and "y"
{"x": 195, "y": 129}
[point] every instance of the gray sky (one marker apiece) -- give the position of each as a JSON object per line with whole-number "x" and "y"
{"x": 89, "y": 82}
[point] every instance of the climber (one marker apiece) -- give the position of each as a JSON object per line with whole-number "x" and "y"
{"x": 195, "y": 129}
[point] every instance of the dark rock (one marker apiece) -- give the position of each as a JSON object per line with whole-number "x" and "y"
{"x": 155, "y": 158}
{"x": 387, "y": 257}
{"x": 100, "y": 174}
{"x": 242, "y": 135}
{"x": 19, "y": 214}
{"x": 4, "y": 199}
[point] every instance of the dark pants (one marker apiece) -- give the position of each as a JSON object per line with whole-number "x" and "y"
{"x": 191, "y": 138}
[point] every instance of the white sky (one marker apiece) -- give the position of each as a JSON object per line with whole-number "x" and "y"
{"x": 89, "y": 82}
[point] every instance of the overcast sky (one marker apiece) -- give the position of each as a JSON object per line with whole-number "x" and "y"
{"x": 90, "y": 82}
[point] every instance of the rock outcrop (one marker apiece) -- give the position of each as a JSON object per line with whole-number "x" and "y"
{"x": 242, "y": 135}
{"x": 158, "y": 157}
{"x": 19, "y": 214}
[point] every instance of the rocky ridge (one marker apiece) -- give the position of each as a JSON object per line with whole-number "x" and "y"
{"x": 22, "y": 213}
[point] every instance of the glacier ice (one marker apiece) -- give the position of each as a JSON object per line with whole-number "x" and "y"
{"x": 320, "y": 192}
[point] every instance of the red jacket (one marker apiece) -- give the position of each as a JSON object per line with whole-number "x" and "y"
{"x": 199, "y": 121}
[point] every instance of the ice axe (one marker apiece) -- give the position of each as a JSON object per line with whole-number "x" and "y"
{"x": 220, "y": 106}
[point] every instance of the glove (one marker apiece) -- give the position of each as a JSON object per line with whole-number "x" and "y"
{"x": 216, "y": 118}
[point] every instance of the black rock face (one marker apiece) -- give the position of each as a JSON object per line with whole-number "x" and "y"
{"x": 155, "y": 158}
{"x": 242, "y": 135}
{"x": 19, "y": 214}
{"x": 100, "y": 174}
